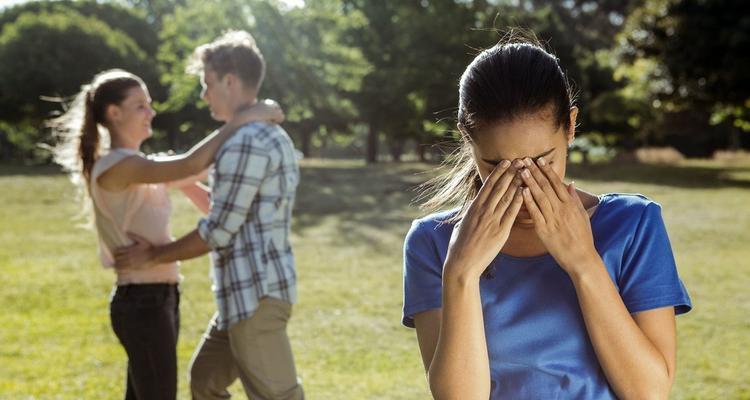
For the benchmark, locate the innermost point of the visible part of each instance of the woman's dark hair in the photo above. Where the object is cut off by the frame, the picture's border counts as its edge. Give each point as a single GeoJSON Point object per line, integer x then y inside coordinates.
{"type": "Point", "coordinates": [513, 79]}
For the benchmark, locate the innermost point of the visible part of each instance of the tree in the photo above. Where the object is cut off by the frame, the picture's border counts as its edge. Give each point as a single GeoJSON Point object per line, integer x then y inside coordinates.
{"type": "Point", "coordinates": [52, 54]}
{"type": "Point", "coordinates": [695, 54]}
{"type": "Point", "coordinates": [308, 70]}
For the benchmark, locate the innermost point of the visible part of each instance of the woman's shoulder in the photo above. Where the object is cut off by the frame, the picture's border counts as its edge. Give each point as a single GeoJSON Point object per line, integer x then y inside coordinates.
{"type": "Point", "coordinates": [112, 157]}
{"type": "Point", "coordinates": [627, 201]}
{"type": "Point", "coordinates": [432, 225]}
{"type": "Point", "coordinates": [626, 207]}
{"type": "Point", "coordinates": [436, 219]}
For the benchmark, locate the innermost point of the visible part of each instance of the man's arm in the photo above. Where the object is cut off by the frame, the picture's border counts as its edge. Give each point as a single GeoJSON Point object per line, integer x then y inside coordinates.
{"type": "Point", "coordinates": [239, 172]}
{"type": "Point", "coordinates": [142, 254]}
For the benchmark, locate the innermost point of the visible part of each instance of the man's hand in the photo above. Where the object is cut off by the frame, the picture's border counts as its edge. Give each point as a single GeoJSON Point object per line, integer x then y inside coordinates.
{"type": "Point", "coordinates": [138, 255]}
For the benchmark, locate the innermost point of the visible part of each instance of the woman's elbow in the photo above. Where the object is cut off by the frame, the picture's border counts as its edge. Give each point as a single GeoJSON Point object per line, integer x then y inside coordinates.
{"type": "Point", "coordinates": [657, 389]}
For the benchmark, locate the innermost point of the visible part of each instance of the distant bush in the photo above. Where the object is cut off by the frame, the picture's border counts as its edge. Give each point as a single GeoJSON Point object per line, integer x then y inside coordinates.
{"type": "Point", "coordinates": [732, 156]}
{"type": "Point", "coordinates": [658, 155]}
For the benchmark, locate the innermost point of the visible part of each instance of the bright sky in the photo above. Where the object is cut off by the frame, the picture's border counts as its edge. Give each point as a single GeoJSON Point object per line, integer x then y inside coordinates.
{"type": "Point", "coordinates": [8, 3]}
{"type": "Point", "coordinates": [289, 3]}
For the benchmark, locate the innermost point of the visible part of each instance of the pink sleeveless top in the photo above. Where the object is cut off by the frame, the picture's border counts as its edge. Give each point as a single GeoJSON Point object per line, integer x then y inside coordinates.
{"type": "Point", "coordinates": [143, 209]}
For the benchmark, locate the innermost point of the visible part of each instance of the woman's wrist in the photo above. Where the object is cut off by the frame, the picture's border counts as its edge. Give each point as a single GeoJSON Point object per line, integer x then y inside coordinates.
{"type": "Point", "coordinates": [584, 267]}
{"type": "Point", "coordinates": [459, 276]}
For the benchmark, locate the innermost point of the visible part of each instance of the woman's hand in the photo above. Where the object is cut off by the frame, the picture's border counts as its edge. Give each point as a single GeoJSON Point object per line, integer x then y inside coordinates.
{"type": "Point", "coordinates": [135, 256]}
{"type": "Point", "coordinates": [264, 110]}
{"type": "Point", "coordinates": [560, 220]}
{"type": "Point", "coordinates": [485, 228]}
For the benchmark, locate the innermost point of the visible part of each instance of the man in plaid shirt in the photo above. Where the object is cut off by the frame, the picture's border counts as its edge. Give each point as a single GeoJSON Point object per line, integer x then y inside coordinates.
{"type": "Point", "coordinates": [254, 179]}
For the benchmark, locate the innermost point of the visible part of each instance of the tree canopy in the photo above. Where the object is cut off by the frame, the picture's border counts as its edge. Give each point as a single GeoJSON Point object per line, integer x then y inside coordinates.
{"type": "Point", "coordinates": [382, 76]}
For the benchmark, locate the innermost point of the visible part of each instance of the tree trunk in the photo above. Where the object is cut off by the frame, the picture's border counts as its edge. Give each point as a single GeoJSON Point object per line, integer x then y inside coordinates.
{"type": "Point", "coordinates": [735, 139]}
{"type": "Point", "coordinates": [307, 142]}
{"type": "Point", "coordinates": [397, 149]}
{"type": "Point", "coordinates": [422, 152]}
{"type": "Point", "coordinates": [372, 143]}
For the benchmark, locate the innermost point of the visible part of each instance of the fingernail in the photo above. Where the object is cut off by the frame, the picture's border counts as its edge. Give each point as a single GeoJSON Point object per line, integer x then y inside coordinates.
{"type": "Point", "coordinates": [518, 164]}
{"type": "Point", "coordinates": [504, 164]}
{"type": "Point", "coordinates": [541, 161]}
{"type": "Point", "coordinates": [527, 161]}
{"type": "Point", "coordinates": [526, 173]}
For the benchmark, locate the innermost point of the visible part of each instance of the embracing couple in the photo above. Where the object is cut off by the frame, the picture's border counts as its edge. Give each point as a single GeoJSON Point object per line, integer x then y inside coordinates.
{"type": "Point", "coordinates": [246, 226]}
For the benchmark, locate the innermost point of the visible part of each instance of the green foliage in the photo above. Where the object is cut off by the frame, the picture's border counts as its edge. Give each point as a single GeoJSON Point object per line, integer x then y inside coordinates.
{"type": "Point", "coordinates": [130, 21]}
{"type": "Point", "coordinates": [308, 71]}
{"type": "Point", "coordinates": [387, 72]}
{"type": "Point", "coordinates": [52, 54]}
{"type": "Point", "coordinates": [690, 57]}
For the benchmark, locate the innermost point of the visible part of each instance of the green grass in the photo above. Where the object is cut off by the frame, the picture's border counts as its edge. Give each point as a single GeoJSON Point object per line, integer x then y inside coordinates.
{"type": "Point", "coordinates": [56, 341]}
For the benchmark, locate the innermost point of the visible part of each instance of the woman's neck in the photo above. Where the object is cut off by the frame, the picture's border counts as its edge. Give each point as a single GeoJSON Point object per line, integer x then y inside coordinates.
{"type": "Point", "coordinates": [123, 141]}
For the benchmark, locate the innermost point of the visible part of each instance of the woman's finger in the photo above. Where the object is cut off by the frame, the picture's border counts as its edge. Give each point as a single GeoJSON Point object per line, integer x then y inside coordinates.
{"type": "Point", "coordinates": [554, 179]}
{"type": "Point", "coordinates": [497, 198]}
{"type": "Point", "coordinates": [543, 182]}
{"type": "Point", "coordinates": [510, 190]}
{"type": "Point", "coordinates": [531, 206]}
{"type": "Point", "coordinates": [540, 198]}
{"type": "Point", "coordinates": [489, 183]}
{"type": "Point", "coordinates": [513, 208]}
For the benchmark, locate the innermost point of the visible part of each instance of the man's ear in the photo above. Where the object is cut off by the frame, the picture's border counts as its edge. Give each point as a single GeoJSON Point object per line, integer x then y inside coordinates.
{"type": "Point", "coordinates": [571, 134]}
{"type": "Point", "coordinates": [230, 80]}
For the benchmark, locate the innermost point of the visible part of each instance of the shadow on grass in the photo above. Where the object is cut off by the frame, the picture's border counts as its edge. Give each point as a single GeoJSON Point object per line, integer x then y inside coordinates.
{"type": "Point", "coordinates": [29, 170]}
{"type": "Point", "coordinates": [683, 176]}
{"type": "Point", "coordinates": [360, 198]}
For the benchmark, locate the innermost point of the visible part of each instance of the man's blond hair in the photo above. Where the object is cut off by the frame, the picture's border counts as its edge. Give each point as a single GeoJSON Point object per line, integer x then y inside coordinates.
{"type": "Point", "coordinates": [234, 52]}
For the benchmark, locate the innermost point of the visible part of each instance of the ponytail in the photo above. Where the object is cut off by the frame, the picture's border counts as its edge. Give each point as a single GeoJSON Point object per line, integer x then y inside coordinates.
{"type": "Point", "coordinates": [88, 147]}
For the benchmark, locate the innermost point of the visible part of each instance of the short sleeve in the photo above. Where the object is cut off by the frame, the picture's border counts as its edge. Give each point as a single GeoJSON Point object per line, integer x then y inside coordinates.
{"type": "Point", "coordinates": [649, 278]}
{"type": "Point", "coordinates": [423, 283]}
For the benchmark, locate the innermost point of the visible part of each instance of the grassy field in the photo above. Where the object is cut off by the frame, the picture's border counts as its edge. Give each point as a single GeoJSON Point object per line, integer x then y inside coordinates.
{"type": "Point", "coordinates": [56, 341]}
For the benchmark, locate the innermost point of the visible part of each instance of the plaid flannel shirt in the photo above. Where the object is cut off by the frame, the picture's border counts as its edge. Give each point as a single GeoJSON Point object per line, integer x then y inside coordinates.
{"type": "Point", "coordinates": [254, 180]}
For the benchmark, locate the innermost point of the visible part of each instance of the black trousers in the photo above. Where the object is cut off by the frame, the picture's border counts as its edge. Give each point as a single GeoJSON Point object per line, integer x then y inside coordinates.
{"type": "Point", "coordinates": [146, 320]}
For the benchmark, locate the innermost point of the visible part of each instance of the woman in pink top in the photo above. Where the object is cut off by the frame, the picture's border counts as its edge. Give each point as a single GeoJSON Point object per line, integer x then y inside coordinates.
{"type": "Point", "coordinates": [128, 192]}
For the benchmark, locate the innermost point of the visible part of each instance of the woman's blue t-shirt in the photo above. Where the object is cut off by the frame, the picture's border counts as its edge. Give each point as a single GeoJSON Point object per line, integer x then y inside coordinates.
{"type": "Point", "coordinates": [536, 337]}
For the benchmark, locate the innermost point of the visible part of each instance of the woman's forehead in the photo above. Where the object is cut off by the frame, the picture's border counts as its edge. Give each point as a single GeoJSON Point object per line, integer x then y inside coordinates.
{"type": "Point", "coordinates": [138, 93]}
{"type": "Point", "coordinates": [519, 139]}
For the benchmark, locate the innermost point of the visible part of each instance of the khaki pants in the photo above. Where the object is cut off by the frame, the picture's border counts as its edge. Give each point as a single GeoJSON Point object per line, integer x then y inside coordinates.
{"type": "Point", "coordinates": [256, 350]}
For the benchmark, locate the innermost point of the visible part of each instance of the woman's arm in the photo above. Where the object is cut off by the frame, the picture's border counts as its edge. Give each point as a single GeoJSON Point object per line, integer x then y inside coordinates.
{"type": "Point", "coordinates": [199, 195]}
{"type": "Point", "coordinates": [190, 180]}
{"type": "Point", "coordinates": [637, 353]}
{"type": "Point", "coordinates": [452, 340]}
{"type": "Point", "coordinates": [136, 169]}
